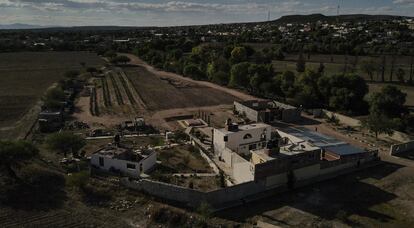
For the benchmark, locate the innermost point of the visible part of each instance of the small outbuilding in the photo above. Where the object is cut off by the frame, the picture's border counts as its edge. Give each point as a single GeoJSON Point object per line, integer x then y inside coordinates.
{"type": "Point", "coordinates": [267, 111]}
{"type": "Point", "coordinates": [124, 161]}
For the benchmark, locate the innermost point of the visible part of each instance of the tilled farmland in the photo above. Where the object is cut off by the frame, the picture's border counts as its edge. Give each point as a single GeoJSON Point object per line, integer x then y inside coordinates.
{"type": "Point", "coordinates": [134, 90]}
{"type": "Point", "coordinates": [25, 76]}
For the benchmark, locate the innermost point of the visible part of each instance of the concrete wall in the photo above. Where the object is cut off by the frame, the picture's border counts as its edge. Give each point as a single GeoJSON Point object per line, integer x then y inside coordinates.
{"type": "Point", "coordinates": [186, 196]}
{"type": "Point", "coordinates": [276, 180]}
{"type": "Point", "coordinates": [243, 170]}
{"type": "Point", "coordinates": [401, 148]}
{"type": "Point", "coordinates": [234, 195]}
{"type": "Point", "coordinates": [251, 114]}
{"type": "Point", "coordinates": [226, 155]}
{"type": "Point", "coordinates": [218, 142]}
{"type": "Point", "coordinates": [193, 198]}
{"type": "Point", "coordinates": [307, 172]}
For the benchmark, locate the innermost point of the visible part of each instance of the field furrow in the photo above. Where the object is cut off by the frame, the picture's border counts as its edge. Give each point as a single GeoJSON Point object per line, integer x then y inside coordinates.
{"type": "Point", "coordinates": [134, 91]}
{"type": "Point", "coordinates": [122, 89]}
{"type": "Point", "coordinates": [106, 94]}
{"type": "Point", "coordinates": [127, 90]}
{"type": "Point", "coordinates": [116, 89]}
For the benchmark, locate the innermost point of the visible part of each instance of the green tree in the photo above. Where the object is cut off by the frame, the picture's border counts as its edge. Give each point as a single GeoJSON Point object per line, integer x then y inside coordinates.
{"type": "Point", "coordinates": [378, 124]}
{"type": "Point", "coordinates": [278, 54]}
{"type": "Point", "coordinates": [368, 67]}
{"type": "Point", "coordinates": [239, 75]}
{"type": "Point", "coordinates": [53, 98]}
{"type": "Point", "coordinates": [13, 153]}
{"type": "Point", "coordinates": [192, 71]}
{"type": "Point", "coordinates": [238, 55]}
{"type": "Point", "coordinates": [288, 83]}
{"type": "Point", "coordinates": [344, 92]}
{"type": "Point", "coordinates": [389, 102]}
{"type": "Point", "coordinates": [321, 68]}
{"type": "Point", "coordinates": [66, 142]}
{"type": "Point", "coordinates": [401, 75]}
{"type": "Point", "coordinates": [301, 64]}
{"type": "Point", "coordinates": [307, 94]}
{"type": "Point", "coordinates": [220, 77]}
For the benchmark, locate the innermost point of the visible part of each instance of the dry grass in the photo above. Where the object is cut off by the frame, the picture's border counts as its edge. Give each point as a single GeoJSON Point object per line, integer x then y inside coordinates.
{"type": "Point", "coordinates": [183, 159]}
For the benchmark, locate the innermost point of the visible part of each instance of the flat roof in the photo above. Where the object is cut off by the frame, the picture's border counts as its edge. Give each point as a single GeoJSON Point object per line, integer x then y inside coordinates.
{"type": "Point", "coordinates": [283, 105]}
{"type": "Point", "coordinates": [245, 127]}
{"type": "Point", "coordinates": [120, 153]}
{"type": "Point", "coordinates": [286, 151]}
{"type": "Point", "coordinates": [316, 138]}
{"type": "Point", "coordinates": [344, 150]}
{"type": "Point", "coordinates": [323, 141]}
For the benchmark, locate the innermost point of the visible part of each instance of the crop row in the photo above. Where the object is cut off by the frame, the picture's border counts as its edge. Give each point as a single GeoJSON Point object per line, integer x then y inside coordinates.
{"type": "Point", "coordinates": [106, 94]}
{"type": "Point", "coordinates": [127, 89]}
{"type": "Point", "coordinates": [94, 109]}
{"type": "Point", "coordinates": [117, 90]}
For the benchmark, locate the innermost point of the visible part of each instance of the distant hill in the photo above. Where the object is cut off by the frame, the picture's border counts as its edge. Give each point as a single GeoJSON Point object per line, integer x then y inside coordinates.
{"type": "Point", "coordinates": [346, 18]}
{"type": "Point", "coordinates": [19, 26]}
{"type": "Point", "coordinates": [282, 20]}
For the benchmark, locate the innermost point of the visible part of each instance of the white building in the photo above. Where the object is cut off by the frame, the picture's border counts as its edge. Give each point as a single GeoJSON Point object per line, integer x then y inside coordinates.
{"type": "Point", "coordinates": [240, 139]}
{"type": "Point", "coordinates": [124, 161]}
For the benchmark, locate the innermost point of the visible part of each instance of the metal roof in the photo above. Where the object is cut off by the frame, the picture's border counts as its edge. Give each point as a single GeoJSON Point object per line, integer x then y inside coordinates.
{"type": "Point", "coordinates": [323, 141]}
{"type": "Point", "coordinates": [345, 149]}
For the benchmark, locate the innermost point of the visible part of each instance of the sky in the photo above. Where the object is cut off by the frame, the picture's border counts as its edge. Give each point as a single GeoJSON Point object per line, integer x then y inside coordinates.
{"type": "Point", "coordinates": [184, 12]}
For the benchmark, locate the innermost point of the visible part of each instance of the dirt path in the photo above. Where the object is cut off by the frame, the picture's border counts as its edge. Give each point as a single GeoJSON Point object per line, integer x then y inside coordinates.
{"type": "Point", "coordinates": [138, 62]}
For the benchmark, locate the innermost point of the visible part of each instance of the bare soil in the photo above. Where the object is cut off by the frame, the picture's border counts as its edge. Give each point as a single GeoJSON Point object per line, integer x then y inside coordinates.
{"type": "Point", "coordinates": [158, 95]}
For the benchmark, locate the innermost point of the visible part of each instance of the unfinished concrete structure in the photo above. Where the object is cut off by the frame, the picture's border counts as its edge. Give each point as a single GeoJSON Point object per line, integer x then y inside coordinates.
{"type": "Point", "coordinates": [239, 139]}
{"type": "Point", "coordinates": [267, 111]}
{"type": "Point", "coordinates": [124, 161]}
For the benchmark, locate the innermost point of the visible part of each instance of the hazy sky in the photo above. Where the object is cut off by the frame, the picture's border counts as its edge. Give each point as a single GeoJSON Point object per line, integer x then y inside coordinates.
{"type": "Point", "coordinates": [184, 12]}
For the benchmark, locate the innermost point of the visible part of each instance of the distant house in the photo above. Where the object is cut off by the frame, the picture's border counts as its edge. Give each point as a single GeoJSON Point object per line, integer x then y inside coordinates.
{"type": "Point", "coordinates": [124, 161]}
{"type": "Point", "coordinates": [267, 111]}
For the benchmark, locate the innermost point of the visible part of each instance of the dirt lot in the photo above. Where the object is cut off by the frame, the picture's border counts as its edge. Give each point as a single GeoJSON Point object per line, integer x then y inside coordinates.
{"type": "Point", "coordinates": [182, 159]}
{"type": "Point", "coordinates": [141, 90]}
{"type": "Point", "coordinates": [381, 196]}
{"type": "Point", "coordinates": [163, 93]}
